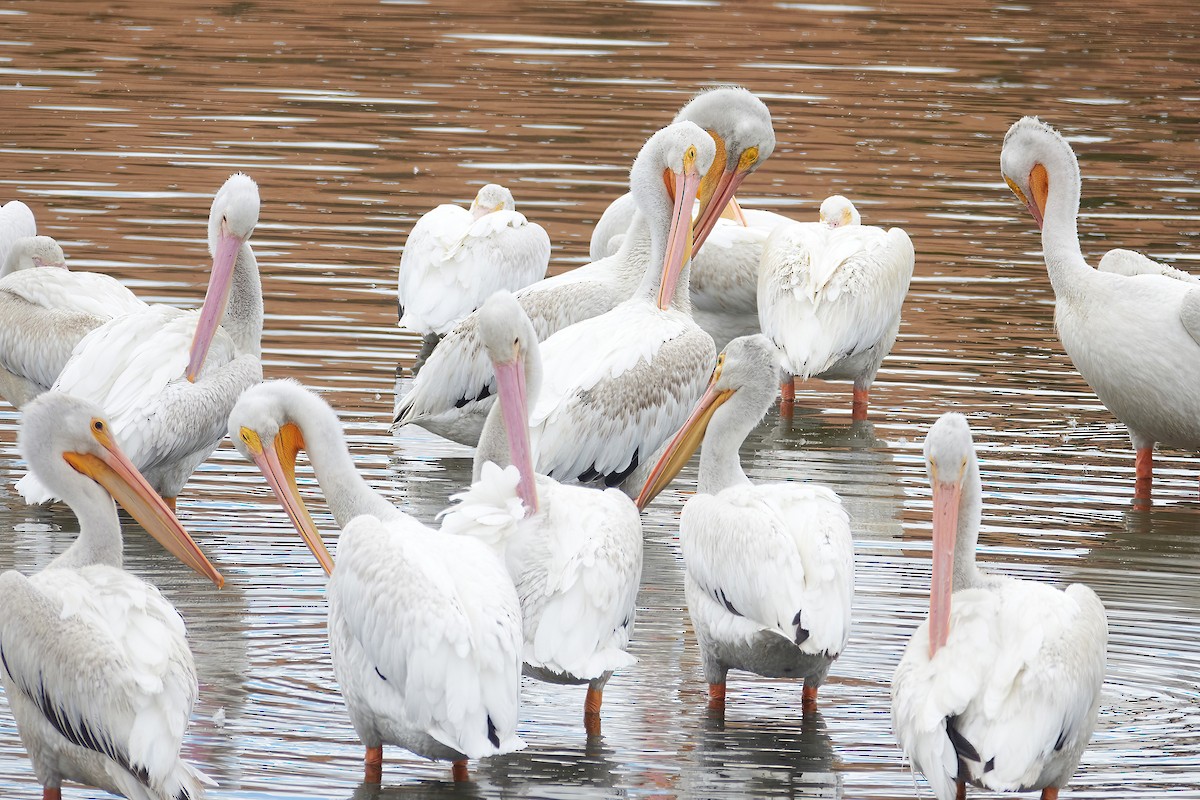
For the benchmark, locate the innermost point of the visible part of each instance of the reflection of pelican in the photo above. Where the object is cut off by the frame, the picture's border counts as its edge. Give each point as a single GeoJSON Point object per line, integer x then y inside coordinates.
{"type": "Point", "coordinates": [769, 568]}
{"type": "Point", "coordinates": [1000, 686]}
{"type": "Point", "coordinates": [574, 553]}
{"type": "Point", "coordinates": [724, 275]}
{"type": "Point", "coordinates": [1135, 340]}
{"type": "Point", "coordinates": [829, 295]}
{"type": "Point", "coordinates": [46, 311]}
{"type": "Point", "coordinates": [454, 390]}
{"type": "Point", "coordinates": [96, 665]}
{"type": "Point", "coordinates": [455, 259]}
{"type": "Point", "coordinates": [16, 222]}
{"type": "Point", "coordinates": [169, 404]}
{"type": "Point", "coordinates": [424, 627]}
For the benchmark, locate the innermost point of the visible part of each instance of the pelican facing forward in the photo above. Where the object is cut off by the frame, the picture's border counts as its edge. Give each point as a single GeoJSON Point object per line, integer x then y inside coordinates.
{"type": "Point", "coordinates": [574, 552]}
{"type": "Point", "coordinates": [424, 626]}
{"type": "Point", "coordinates": [768, 567]}
{"type": "Point", "coordinates": [1000, 686]}
{"type": "Point", "coordinates": [1135, 339]}
{"type": "Point", "coordinates": [95, 662]}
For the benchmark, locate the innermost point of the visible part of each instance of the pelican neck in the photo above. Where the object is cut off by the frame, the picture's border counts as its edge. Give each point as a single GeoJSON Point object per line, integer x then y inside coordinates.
{"type": "Point", "coordinates": [966, 538]}
{"type": "Point", "coordinates": [243, 319]}
{"type": "Point", "coordinates": [99, 540]}
{"type": "Point", "coordinates": [720, 459]}
{"type": "Point", "coordinates": [1060, 234]}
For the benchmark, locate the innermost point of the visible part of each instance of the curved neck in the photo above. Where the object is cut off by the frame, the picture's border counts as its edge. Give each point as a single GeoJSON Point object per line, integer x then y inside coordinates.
{"type": "Point", "coordinates": [658, 226]}
{"type": "Point", "coordinates": [720, 461]}
{"type": "Point", "coordinates": [966, 538]}
{"type": "Point", "coordinates": [1060, 234]}
{"type": "Point", "coordinates": [243, 319]}
{"type": "Point", "coordinates": [99, 540]}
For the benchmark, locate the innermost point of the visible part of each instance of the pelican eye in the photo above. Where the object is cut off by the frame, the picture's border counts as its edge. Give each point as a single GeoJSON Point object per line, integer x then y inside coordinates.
{"type": "Point", "coordinates": [690, 155]}
{"type": "Point", "coordinates": [98, 425]}
{"type": "Point", "coordinates": [748, 158]}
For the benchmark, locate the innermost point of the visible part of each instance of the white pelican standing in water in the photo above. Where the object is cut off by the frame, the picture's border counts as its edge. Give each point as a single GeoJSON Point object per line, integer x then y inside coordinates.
{"type": "Point", "coordinates": [95, 662]}
{"type": "Point", "coordinates": [167, 393]}
{"type": "Point", "coordinates": [1000, 686]}
{"type": "Point", "coordinates": [455, 389]}
{"type": "Point", "coordinates": [46, 311]}
{"type": "Point", "coordinates": [16, 222]}
{"type": "Point", "coordinates": [574, 553]}
{"type": "Point", "coordinates": [424, 626]}
{"type": "Point", "coordinates": [768, 567]}
{"type": "Point", "coordinates": [829, 296]}
{"type": "Point", "coordinates": [724, 275]}
{"type": "Point", "coordinates": [454, 259]}
{"type": "Point", "coordinates": [1134, 339]}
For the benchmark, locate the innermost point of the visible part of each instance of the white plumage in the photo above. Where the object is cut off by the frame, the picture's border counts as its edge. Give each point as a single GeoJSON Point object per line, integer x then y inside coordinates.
{"type": "Point", "coordinates": [830, 297]}
{"type": "Point", "coordinates": [454, 259]}
{"type": "Point", "coordinates": [1001, 685]}
{"type": "Point", "coordinates": [16, 222]}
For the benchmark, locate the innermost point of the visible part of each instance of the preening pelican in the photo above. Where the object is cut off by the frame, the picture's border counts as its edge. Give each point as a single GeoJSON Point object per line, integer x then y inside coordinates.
{"type": "Point", "coordinates": [574, 553]}
{"type": "Point", "coordinates": [168, 378]}
{"type": "Point", "coordinates": [768, 567]}
{"type": "Point", "coordinates": [95, 662]}
{"type": "Point", "coordinates": [454, 259]}
{"type": "Point", "coordinates": [1000, 686]}
{"type": "Point", "coordinates": [1134, 339]}
{"type": "Point", "coordinates": [16, 222]}
{"type": "Point", "coordinates": [724, 275]}
{"type": "Point", "coordinates": [46, 311]}
{"type": "Point", "coordinates": [455, 389]}
{"type": "Point", "coordinates": [829, 296]}
{"type": "Point", "coordinates": [424, 626]}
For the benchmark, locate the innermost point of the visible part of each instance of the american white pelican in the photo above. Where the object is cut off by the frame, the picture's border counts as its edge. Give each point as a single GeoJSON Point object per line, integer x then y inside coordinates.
{"type": "Point", "coordinates": [829, 296]}
{"type": "Point", "coordinates": [424, 626]}
{"type": "Point", "coordinates": [96, 665]}
{"type": "Point", "coordinates": [1135, 340]}
{"type": "Point", "coordinates": [455, 389]}
{"type": "Point", "coordinates": [1131, 262]}
{"type": "Point", "coordinates": [1000, 686]}
{"type": "Point", "coordinates": [454, 259]}
{"type": "Point", "coordinates": [724, 275]}
{"type": "Point", "coordinates": [46, 311]}
{"type": "Point", "coordinates": [167, 393]}
{"type": "Point", "coordinates": [16, 222]}
{"type": "Point", "coordinates": [574, 553]}
{"type": "Point", "coordinates": [768, 567]}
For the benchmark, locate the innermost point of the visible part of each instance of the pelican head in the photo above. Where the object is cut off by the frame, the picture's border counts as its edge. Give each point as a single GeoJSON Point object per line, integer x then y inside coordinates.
{"type": "Point", "coordinates": [948, 453]}
{"type": "Point", "coordinates": [740, 125]}
{"type": "Point", "coordinates": [749, 368]}
{"type": "Point", "coordinates": [511, 343]}
{"type": "Point", "coordinates": [837, 211]}
{"type": "Point", "coordinates": [675, 157]}
{"type": "Point", "coordinates": [230, 222]}
{"type": "Point", "coordinates": [492, 197]}
{"type": "Point", "coordinates": [33, 251]}
{"type": "Point", "coordinates": [263, 428]}
{"type": "Point", "coordinates": [1033, 151]}
{"type": "Point", "coordinates": [69, 445]}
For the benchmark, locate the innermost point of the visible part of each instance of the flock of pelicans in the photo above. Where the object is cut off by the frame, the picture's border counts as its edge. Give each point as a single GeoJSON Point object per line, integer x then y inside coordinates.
{"type": "Point", "coordinates": [582, 392]}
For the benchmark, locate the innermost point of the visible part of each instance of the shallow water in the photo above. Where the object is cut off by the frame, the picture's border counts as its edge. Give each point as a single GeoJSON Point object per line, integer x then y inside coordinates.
{"type": "Point", "coordinates": [355, 118]}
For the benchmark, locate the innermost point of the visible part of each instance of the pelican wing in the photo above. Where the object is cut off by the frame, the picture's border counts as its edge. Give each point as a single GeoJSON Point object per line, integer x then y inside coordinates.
{"type": "Point", "coordinates": [613, 223]}
{"type": "Point", "coordinates": [779, 555]}
{"type": "Point", "coordinates": [616, 387]}
{"type": "Point", "coordinates": [1130, 263]}
{"type": "Point", "coordinates": [1014, 691]}
{"type": "Point", "coordinates": [425, 629]}
{"type": "Point", "coordinates": [724, 275]}
{"type": "Point", "coordinates": [103, 659]}
{"type": "Point", "coordinates": [824, 295]}
{"type": "Point", "coordinates": [16, 222]}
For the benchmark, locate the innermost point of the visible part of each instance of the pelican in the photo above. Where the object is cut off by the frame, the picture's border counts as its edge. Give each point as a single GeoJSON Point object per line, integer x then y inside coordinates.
{"type": "Point", "coordinates": [1000, 686]}
{"type": "Point", "coordinates": [829, 296]}
{"type": "Point", "coordinates": [455, 389]}
{"type": "Point", "coordinates": [167, 377]}
{"type": "Point", "coordinates": [455, 259]}
{"type": "Point", "coordinates": [574, 553]}
{"type": "Point", "coordinates": [1134, 339]}
{"type": "Point", "coordinates": [424, 626]}
{"type": "Point", "coordinates": [47, 310]}
{"type": "Point", "coordinates": [724, 275]}
{"type": "Point", "coordinates": [768, 567]}
{"type": "Point", "coordinates": [1131, 262]}
{"type": "Point", "coordinates": [95, 662]}
{"type": "Point", "coordinates": [16, 222]}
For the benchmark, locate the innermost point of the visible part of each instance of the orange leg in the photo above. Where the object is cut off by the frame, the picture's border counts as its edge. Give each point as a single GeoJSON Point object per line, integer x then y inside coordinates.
{"type": "Point", "coordinates": [1144, 472]}
{"type": "Point", "coordinates": [808, 700]}
{"type": "Point", "coordinates": [716, 696]}
{"type": "Point", "coordinates": [591, 711]}
{"type": "Point", "coordinates": [49, 793]}
{"type": "Point", "coordinates": [961, 794]}
{"type": "Point", "coordinates": [1050, 793]}
{"type": "Point", "coordinates": [787, 394]}
{"type": "Point", "coordinates": [459, 771]}
{"type": "Point", "coordinates": [373, 769]}
{"type": "Point", "coordinates": [170, 501]}
{"type": "Point", "coordinates": [858, 409]}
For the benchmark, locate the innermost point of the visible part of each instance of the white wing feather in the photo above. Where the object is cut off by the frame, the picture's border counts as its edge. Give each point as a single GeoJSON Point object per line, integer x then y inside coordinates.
{"type": "Point", "coordinates": [1130, 263]}
{"type": "Point", "coordinates": [16, 222]}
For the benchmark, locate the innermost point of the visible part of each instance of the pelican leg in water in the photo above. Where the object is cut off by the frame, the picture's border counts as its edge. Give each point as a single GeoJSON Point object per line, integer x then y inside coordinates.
{"type": "Point", "coordinates": [829, 296]}
{"type": "Point", "coordinates": [768, 567]}
{"type": "Point", "coordinates": [1001, 685]}
{"type": "Point", "coordinates": [574, 552]}
{"type": "Point", "coordinates": [424, 626]}
{"type": "Point", "coordinates": [94, 661]}
{"type": "Point", "coordinates": [1134, 338]}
